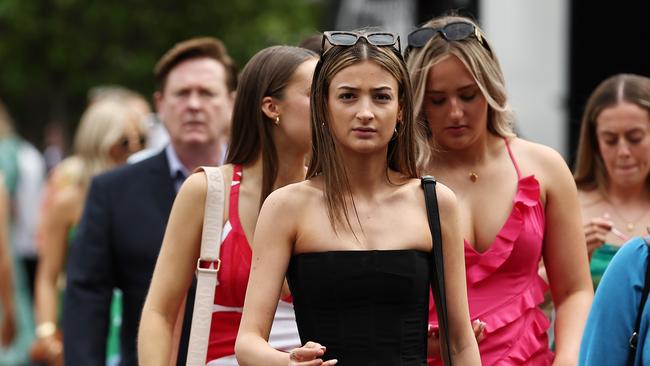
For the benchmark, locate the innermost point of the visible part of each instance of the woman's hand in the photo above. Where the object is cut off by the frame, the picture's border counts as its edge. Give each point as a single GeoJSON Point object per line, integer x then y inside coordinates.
{"type": "Point", "coordinates": [309, 355]}
{"type": "Point", "coordinates": [47, 350]}
{"type": "Point", "coordinates": [433, 343]}
{"type": "Point", "coordinates": [596, 230]}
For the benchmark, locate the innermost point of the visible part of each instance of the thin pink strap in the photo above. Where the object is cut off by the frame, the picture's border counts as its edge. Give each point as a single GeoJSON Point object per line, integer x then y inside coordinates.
{"type": "Point", "coordinates": [512, 157]}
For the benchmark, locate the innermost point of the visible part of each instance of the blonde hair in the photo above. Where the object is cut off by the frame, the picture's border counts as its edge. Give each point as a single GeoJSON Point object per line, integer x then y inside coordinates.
{"type": "Point", "coordinates": [326, 158]}
{"type": "Point", "coordinates": [102, 125]}
{"type": "Point", "coordinates": [479, 60]}
{"type": "Point", "coordinates": [590, 171]}
{"type": "Point", "coordinates": [117, 93]}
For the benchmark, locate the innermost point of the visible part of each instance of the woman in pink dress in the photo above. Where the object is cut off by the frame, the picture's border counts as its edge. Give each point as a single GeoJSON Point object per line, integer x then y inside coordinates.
{"type": "Point", "coordinates": [518, 202]}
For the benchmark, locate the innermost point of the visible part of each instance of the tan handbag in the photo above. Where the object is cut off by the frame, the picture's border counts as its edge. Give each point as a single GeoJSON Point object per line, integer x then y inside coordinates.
{"type": "Point", "coordinates": [206, 278]}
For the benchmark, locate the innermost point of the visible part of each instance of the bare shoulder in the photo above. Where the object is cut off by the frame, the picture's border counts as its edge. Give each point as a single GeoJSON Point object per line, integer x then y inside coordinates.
{"type": "Point", "coordinates": [67, 172]}
{"type": "Point", "coordinates": [293, 196]}
{"type": "Point", "coordinates": [542, 161]}
{"type": "Point", "coordinates": [226, 171]}
{"type": "Point", "coordinates": [196, 185]}
{"type": "Point", "coordinates": [446, 198]}
{"type": "Point", "coordinates": [537, 154]}
{"type": "Point", "coordinates": [405, 184]}
{"type": "Point", "coordinates": [550, 169]}
{"type": "Point", "coordinates": [67, 199]}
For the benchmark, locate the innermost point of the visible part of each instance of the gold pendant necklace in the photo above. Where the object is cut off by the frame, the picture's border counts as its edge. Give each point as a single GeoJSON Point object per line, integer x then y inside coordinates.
{"type": "Point", "coordinates": [473, 177]}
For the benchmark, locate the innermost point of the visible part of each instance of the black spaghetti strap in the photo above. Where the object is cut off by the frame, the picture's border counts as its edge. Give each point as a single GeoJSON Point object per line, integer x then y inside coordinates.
{"type": "Point", "coordinates": [634, 338]}
{"type": "Point", "coordinates": [437, 265]}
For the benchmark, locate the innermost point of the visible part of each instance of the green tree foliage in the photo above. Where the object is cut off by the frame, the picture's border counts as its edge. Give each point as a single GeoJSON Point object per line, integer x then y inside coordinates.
{"type": "Point", "coordinates": [53, 51]}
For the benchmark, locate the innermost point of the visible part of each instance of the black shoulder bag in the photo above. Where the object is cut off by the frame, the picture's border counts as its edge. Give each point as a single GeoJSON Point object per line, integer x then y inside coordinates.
{"type": "Point", "coordinates": [634, 338]}
{"type": "Point", "coordinates": [437, 265]}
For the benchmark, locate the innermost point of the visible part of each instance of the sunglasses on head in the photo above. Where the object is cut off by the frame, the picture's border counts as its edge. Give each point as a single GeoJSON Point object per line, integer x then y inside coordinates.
{"type": "Point", "coordinates": [343, 38]}
{"type": "Point", "coordinates": [456, 31]}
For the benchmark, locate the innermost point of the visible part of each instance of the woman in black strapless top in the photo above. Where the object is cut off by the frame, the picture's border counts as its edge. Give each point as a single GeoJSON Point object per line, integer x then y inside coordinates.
{"type": "Point", "coordinates": [353, 239]}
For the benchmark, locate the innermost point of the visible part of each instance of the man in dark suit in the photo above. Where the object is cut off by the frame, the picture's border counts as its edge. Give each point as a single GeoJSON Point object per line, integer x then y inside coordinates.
{"type": "Point", "coordinates": [123, 223]}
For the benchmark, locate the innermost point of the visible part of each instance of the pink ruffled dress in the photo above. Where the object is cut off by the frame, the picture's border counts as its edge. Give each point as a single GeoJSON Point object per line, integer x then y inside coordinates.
{"type": "Point", "coordinates": [504, 289]}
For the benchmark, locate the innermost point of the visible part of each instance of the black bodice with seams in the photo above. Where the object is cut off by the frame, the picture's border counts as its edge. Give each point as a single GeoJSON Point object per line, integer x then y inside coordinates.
{"type": "Point", "coordinates": [368, 308]}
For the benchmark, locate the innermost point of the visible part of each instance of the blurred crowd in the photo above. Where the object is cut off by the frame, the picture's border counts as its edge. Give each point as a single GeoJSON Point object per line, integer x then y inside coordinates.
{"type": "Point", "coordinates": [42, 206]}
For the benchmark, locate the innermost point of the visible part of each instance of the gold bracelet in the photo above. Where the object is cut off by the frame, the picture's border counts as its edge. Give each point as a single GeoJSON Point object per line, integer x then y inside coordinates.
{"type": "Point", "coordinates": [45, 330]}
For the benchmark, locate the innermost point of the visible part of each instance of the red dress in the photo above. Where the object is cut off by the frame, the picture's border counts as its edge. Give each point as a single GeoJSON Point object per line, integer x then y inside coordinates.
{"type": "Point", "coordinates": [503, 287]}
{"type": "Point", "coordinates": [236, 256]}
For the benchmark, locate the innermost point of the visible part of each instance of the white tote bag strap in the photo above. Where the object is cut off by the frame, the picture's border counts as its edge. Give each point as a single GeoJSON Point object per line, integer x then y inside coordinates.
{"type": "Point", "coordinates": [206, 278]}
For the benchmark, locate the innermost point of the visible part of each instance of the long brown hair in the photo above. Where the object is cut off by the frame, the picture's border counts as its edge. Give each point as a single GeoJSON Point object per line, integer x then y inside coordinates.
{"type": "Point", "coordinates": [265, 75]}
{"type": "Point", "coordinates": [590, 171]}
{"type": "Point", "coordinates": [326, 158]}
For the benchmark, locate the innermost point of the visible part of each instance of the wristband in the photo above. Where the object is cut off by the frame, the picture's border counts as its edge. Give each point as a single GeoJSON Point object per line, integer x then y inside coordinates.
{"type": "Point", "coordinates": [45, 330]}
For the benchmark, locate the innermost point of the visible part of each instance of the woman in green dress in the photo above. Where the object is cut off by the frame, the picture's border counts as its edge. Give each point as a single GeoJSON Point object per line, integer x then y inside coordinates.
{"type": "Point", "coordinates": [108, 133]}
{"type": "Point", "coordinates": [7, 296]}
{"type": "Point", "coordinates": [16, 323]}
{"type": "Point", "coordinates": [613, 166]}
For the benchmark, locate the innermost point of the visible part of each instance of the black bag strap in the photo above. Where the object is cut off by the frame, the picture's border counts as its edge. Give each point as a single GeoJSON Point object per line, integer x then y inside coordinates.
{"type": "Point", "coordinates": [634, 338]}
{"type": "Point", "coordinates": [437, 265]}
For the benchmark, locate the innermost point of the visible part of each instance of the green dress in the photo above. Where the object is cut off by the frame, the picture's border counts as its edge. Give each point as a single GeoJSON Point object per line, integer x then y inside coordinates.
{"type": "Point", "coordinates": [17, 352]}
{"type": "Point", "coordinates": [113, 342]}
{"type": "Point", "coordinates": [9, 146]}
{"type": "Point", "coordinates": [600, 260]}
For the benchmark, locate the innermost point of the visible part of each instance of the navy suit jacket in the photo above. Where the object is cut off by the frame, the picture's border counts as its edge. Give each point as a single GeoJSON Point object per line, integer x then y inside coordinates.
{"type": "Point", "coordinates": [116, 245]}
